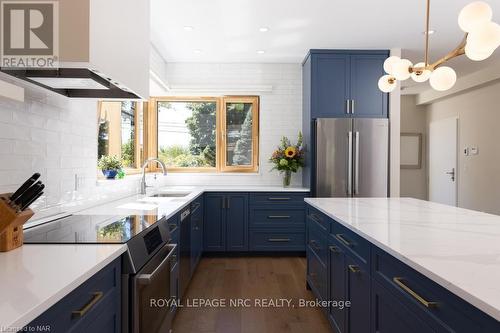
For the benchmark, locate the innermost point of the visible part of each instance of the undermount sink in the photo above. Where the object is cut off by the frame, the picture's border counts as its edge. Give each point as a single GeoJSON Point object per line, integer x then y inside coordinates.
{"type": "Point", "coordinates": [170, 195]}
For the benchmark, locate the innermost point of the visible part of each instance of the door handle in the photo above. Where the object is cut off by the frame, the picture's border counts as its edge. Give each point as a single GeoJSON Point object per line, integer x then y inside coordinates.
{"type": "Point", "coordinates": [356, 165]}
{"type": "Point", "coordinates": [223, 202]}
{"type": "Point", "coordinates": [349, 163]}
{"type": "Point", "coordinates": [452, 174]}
{"type": "Point", "coordinates": [228, 204]}
{"type": "Point", "coordinates": [347, 106]}
{"type": "Point", "coordinates": [352, 106]}
{"type": "Point", "coordinates": [400, 282]}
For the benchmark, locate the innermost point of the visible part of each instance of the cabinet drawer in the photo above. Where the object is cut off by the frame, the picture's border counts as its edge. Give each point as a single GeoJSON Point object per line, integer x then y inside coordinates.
{"type": "Point", "coordinates": [316, 275]}
{"type": "Point", "coordinates": [317, 240]}
{"type": "Point", "coordinates": [321, 219]}
{"type": "Point", "coordinates": [277, 199]}
{"type": "Point", "coordinates": [277, 241]}
{"type": "Point", "coordinates": [390, 316]}
{"type": "Point", "coordinates": [98, 298]}
{"type": "Point", "coordinates": [274, 218]}
{"type": "Point", "coordinates": [433, 303]}
{"type": "Point", "coordinates": [353, 243]}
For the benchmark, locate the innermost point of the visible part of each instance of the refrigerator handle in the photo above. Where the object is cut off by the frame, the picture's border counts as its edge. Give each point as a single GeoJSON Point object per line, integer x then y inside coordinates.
{"type": "Point", "coordinates": [349, 163]}
{"type": "Point", "coordinates": [356, 164]}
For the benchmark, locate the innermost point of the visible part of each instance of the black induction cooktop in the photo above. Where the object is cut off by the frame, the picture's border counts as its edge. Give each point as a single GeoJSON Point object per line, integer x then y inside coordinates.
{"type": "Point", "coordinates": [90, 229]}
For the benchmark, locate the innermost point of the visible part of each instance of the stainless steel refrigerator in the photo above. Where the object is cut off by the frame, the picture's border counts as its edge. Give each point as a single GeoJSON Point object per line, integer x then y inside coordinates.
{"type": "Point", "coordinates": [351, 157]}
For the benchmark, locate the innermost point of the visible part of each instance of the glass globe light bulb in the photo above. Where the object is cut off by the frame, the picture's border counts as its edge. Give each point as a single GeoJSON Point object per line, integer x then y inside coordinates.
{"type": "Point", "coordinates": [389, 64]}
{"type": "Point", "coordinates": [387, 83]}
{"type": "Point", "coordinates": [477, 55]}
{"type": "Point", "coordinates": [401, 69]}
{"type": "Point", "coordinates": [423, 76]}
{"type": "Point", "coordinates": [484, 39]}
{"type": "Point", "coordinates": [473, 15]}
{"type": "Point", "coordinates": [443, 78]}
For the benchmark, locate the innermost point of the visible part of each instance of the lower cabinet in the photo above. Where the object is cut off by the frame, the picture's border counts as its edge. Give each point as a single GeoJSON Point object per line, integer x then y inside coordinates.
{"type": "Point", "coordinates": [196, 232]}
{"type": "Point", "coordinates": [95, 306]}
{"type": "Point", "coordinates": [226, 222]}
{"type": "Point", "coordinates": [385, 295]}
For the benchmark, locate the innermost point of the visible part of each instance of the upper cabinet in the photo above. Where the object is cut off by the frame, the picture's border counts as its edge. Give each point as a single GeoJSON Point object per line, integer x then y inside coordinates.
{"type": "Point", "coordinates": [344, 84]}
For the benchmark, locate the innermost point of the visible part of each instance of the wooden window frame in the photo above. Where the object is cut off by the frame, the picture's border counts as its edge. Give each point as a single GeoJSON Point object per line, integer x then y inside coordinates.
{"type": "Point", "coordinates": [254, 166]}
{"type": "Point", "coordinates": [139, 106]}
{"type": "Point", "coordinates": [151, 133]}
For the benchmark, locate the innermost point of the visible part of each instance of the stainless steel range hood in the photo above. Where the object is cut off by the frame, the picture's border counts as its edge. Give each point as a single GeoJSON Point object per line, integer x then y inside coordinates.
{"type": "Point", "coordinates": [73, 82]}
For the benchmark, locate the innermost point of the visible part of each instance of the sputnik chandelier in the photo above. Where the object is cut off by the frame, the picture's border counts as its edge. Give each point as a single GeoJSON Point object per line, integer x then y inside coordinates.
{"type": "Point", "coordinates": [482, 38]}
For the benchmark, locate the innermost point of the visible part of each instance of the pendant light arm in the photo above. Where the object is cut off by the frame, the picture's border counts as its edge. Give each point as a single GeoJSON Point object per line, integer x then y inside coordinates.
{"type": "Point", "coordinates": [427, 29]}
{"type": "Point", "coordinates": [458, 51]}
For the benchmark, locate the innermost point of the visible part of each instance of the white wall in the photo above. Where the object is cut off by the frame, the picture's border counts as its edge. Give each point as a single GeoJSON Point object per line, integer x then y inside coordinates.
{"type": "Point", "coordinates": [478, 111]}
{"type": "Point", "coordinates": [280, 109]}
{"type": "Point", "coordinates": [414, 120]}
{"type": "Point", "coordinates": [57, 137]}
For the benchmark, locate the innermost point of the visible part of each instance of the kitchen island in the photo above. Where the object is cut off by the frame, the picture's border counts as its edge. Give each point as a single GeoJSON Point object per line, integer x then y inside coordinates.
{"type": "Point", "coordinates": [421, 249]}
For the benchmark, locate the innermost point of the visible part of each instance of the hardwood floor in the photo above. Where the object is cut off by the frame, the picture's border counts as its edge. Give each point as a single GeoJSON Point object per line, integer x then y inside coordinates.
{"type": "Point", "coordinates": [255, 279]}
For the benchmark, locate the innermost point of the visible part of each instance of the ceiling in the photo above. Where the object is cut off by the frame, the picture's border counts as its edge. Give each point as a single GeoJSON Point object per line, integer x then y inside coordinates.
{"type": "Point", "coordinates": [228, 30]}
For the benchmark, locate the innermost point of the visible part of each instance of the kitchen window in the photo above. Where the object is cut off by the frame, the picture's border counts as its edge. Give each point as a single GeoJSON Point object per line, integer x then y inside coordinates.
{"type": "Point", "coordinates": [205, 134]}
{"type": "Point", "coordinates": [120, 132]}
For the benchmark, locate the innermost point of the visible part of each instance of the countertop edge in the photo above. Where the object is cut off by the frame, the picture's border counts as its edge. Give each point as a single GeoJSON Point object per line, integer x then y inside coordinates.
{"type": "Point", "coordinates": [459, 292]}
{"type": "Point", "coordinates": [28, 317]}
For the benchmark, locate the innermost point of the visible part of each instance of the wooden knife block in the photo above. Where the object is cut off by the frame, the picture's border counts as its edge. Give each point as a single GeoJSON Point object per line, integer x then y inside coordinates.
{"type": "Point", "coordinates": [11, 224]}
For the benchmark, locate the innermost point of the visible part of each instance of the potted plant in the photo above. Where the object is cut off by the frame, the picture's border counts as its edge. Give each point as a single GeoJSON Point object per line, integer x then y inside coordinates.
{"type": "Point", "coordinates": [288, 158]}
{"type": "Point", "coordinates": [110, 166]}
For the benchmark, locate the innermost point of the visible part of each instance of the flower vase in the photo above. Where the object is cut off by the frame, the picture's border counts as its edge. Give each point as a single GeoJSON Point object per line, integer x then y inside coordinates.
{"type": "Point", "coordinates": [287, 177]}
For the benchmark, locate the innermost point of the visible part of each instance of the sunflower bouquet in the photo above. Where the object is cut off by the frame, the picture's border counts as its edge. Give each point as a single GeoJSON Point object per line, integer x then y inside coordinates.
{"type": "Point", "coordinates": [288, 158]}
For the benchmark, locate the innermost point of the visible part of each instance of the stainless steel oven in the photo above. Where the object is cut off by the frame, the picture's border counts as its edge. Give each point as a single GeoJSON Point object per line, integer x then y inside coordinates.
{"type": "Point", "coordinates": [152, 294]}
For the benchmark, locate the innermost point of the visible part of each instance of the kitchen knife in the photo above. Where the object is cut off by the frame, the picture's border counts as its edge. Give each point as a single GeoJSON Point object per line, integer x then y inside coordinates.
{"type": "Point", "coordinates": [27, 204]}
{"type": "Point", "coordinates": [27, 184]}
{"type": "Point", "coordinates": [29, 193]}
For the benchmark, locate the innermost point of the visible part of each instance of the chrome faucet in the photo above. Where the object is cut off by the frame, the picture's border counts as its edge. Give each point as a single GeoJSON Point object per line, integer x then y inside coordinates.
{"type": "Point", "coordinates": [143, 180]}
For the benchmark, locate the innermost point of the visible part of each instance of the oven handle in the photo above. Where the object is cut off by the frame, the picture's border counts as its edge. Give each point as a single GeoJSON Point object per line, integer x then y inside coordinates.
{"type": "Point", "coordinates": [148, 278]}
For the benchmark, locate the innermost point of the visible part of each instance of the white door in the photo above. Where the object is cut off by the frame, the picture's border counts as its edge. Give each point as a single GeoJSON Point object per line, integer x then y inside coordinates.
{"type": "Point", "coordinates": [443, 161]}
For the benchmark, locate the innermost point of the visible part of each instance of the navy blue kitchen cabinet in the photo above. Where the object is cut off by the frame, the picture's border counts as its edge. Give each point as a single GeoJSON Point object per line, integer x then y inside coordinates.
{"type": "Point", "coordinates": [214, 231]}
{"type": "Point", "coordinates": [237, 222]}
{"type": "Point", "coordinates": [385, 295]}
{"type": "Point", "coordinates": [276, 222]}
{"type": "Point", "coordinates": [343, 83]}
{"type": "Point", "coordinates": [226, 222]}
{"type": "Point", "coordinates": [330, 85]}
{"type": "Point", "coordinates": [95, 306]}
{"type": "Point", "coordinates": [336, 285]}
{"type": "Point", "coordinates": [367, 101]}
{"type": "Point", "coordinates": [196, 232]}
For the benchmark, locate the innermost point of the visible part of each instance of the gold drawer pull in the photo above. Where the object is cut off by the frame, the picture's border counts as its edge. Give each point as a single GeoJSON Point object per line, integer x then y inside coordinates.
{"type": "Point", "coordinates": [341, 238]}
{"type": "Point", "coordinates": [96, 296]}
{"type": "Point", "coordinates": [420, 299]}
{"type": "Point", "coordinates": [279, 239]}
{"type": "Point", "coordinates": [276, 198]}
{"type": "Point", "coordinates": [335, 249]}
{"type": "Point", "coordinates": [278, 216]}
{"type": "Point", "coordinates": [354, 268]}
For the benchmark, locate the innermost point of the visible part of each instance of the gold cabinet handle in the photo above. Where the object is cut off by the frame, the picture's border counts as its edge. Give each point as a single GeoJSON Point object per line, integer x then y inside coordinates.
{"type": "Point", "coordinates": [96, 296]}
{"type": "Point", "coordinates": [400, 282]}
{"type": "Point", "coordinates": [335, 249]}
{"type": "Point", "coordinates": [276, 198]}
{"type": "Point", "coordinates": [279, 239]}
{"type": "Point", "coordinates": [278, 217]}
{"type": "Point", "coordinates": [341, 238]}
{"type": "Point", "coordinates": [354, 268]}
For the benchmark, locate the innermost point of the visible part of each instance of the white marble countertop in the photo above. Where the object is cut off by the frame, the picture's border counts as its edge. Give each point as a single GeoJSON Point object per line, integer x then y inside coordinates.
{"type": "Point", "coordinates": [35, 277]}
{"type": "Point", "coordinates": [457, 248]}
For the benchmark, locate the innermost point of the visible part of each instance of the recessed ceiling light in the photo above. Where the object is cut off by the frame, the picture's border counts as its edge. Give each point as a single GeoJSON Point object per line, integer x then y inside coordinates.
{"type": "Point", "coordinates": [197, 51]}
{"type": "Point", "coordinates": [431, 32]}
{"type": "Point", "coordinates": [261, 51]}
{"type": "Point", "coordinates": [263, 29]}
{"type": "Point", "coordinates": [188, 28]}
